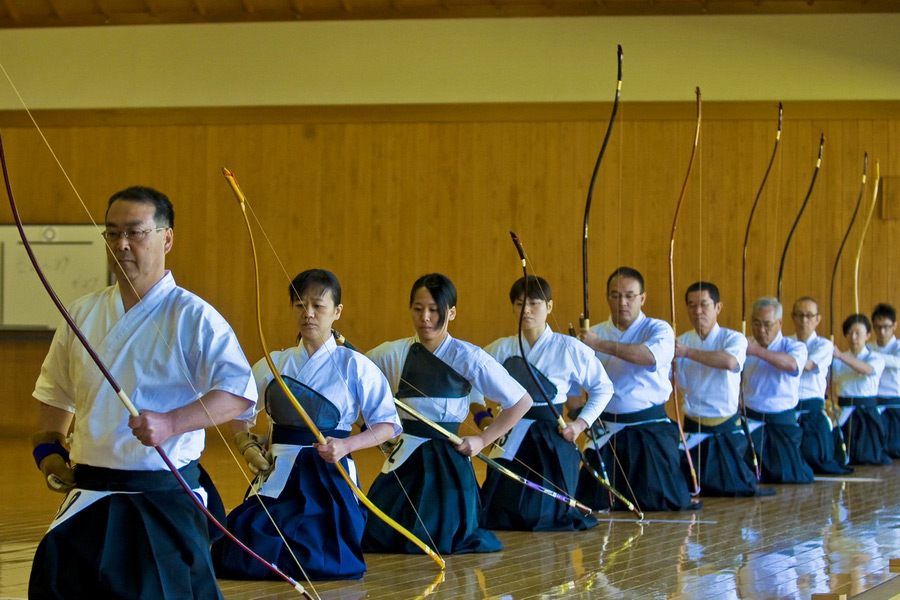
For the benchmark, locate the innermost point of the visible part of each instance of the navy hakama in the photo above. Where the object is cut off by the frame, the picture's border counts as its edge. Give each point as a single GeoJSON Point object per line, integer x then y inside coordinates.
{"type": "Point", "coordinates": [440, 484]}
{"type": "Point", "coordinates": [890, 419]}
{"type": "Point", "coordinates": [152, 544]}
{"type": "Point", "coordinates": [864, 431]}
{"type": "Point", "coordinates": [546, 458]}
{"type": "Point", "coordinates": [777, 442]}
{"type": "Point", "coordinates": [315, 509]}
{"type": "Point", "coordinates": [644, 464]}
{"type": "Point", "coordinates": [820, 446]}
{"type": "Point", "coordinates": [719, 459]}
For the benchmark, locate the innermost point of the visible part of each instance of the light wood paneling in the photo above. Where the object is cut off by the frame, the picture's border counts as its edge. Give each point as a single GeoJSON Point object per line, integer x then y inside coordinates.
{"type": "Point", "coordinates": [384, 200]}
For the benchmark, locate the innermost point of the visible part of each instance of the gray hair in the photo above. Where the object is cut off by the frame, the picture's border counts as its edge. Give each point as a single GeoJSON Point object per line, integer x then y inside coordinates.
{"type": "Point", "coordinates": [769, 301]}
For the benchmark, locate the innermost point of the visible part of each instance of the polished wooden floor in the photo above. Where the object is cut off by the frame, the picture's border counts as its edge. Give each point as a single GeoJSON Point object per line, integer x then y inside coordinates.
{"type": "Point", "coordinates": [835, 537]}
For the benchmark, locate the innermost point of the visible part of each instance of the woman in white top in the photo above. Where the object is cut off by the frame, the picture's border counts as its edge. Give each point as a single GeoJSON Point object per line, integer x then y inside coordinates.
{"type": "Point", "coordinates": [436, 374]}
{"type": "Point", "coordinates": [856, 375]}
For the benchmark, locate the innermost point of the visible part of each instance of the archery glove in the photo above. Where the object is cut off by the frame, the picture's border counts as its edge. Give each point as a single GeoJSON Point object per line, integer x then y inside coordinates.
{"type": "Point", "coordinates": [251, 446]}
{"type": "Point", "coordinates": [52, 459]}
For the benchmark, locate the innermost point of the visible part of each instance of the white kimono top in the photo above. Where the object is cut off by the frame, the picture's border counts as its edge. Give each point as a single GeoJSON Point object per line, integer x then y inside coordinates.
{"type": "Point", "coordinates": [346, 378]}
{"type": "Point", "coordinates": [487, 376]}
{"type": "Point", "coordinates": [706, 391]}
{"type": "Point", "coordinates": [568, 363]}
{"type": "Point", "coordinates": [851, 384]}
{"type": "Point", "coordinates": [820, 352]}
{"type": "Point", "coordinates": [768, 389]}
{"type": "Point", "coordinates": [638, 387]}
{"type": "Point", "coordinates": [166, 352]}
{"type": "Point", "coordinates": [890, 379]}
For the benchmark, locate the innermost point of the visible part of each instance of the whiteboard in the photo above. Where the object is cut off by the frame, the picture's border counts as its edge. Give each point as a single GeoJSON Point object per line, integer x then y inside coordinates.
{"type": "Point", "coordinates": [73, 257]}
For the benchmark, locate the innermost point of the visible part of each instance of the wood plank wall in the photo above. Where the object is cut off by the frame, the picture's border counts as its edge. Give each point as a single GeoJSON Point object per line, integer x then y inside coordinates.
{"type": "Point", "coordinates": [381, 195]}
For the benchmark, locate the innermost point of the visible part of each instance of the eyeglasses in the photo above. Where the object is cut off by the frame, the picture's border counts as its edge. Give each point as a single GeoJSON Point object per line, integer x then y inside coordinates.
{"type": "Point", "coordinates": [800, 315]}
{"type": "Point", "coordinates": [135, 235]}
{"type": "Point", "coordinates": [616, 296]}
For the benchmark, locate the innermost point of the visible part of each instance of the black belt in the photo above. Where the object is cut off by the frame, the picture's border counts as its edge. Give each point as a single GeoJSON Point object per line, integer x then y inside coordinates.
{"type": "Point", "coordinates": [648, 414]}
{"type": "Point", "coordinates": [420, 429]}
{"type": "Point", "coordinates": [102, 479]}
{"type": "Point", "coordinates": [785, 417]}
{"type": "Point", "coordinates": [540, 412]}
{"type": "Point", "coordinates": [301, 437]}
{"type": "Point", "coordinates": [871, 402]}
{"type": "Point", "coordinates": [811, 405]}
{"type": "Point", "coordinates": [890, 401]}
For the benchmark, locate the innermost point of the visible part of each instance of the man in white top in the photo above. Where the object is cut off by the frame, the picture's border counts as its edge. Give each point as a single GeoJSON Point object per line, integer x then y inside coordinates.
{"type": "Point", "coordinates": [639, 438]}
{"type": "Point", "coordinates": [709, 360]}
{"type": "Point", "coordinates": [771, 393]}
{"type": "Point", "coordinates": [129, 529]}
{"type": "Point", "coordinates": [822, 442]}
{"type": "Point", "coordinates": [884, 322]}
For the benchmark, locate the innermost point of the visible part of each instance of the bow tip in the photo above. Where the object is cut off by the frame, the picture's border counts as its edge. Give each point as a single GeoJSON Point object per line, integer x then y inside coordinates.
{"type": "Point", "coordinates": [226, 172]}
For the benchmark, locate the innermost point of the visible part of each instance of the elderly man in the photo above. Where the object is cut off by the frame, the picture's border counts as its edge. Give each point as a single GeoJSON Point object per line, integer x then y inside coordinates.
{"type": "Point", "coordinates": [771, 393]}
{"type": "Point", "coordinates": [129, 530]}
{"type": "Point", "coordinates": [639, 440]}
{"type": "Point", "coordinates": [818, 446]}
{"type": "Point", "coordinates": [709, 361]}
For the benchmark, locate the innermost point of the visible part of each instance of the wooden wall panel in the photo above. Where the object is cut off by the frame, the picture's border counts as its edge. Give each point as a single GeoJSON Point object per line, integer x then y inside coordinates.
{"type": "Point", "coordinates": [384, 200]}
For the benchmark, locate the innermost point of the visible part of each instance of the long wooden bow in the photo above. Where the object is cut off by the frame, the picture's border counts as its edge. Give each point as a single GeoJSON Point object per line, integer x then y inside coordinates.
{"type": "Point", "coordinates": [122, 395]}
{"type": "Point", "coordinates": [762, 184]}
{"type": "Point", "coordinates": [586, 313]}
{"type": "Point", "coordinates": [800, 214]}
{"type": "Point", "coordinates": [684, 187]}
{"type": "Point", "coordinates": [862, 238]}
{"type": "Point", "coordinates": [242, 200]}
{"type": "Point", "coordinates": [837, 260]}
{"type": "Point", "coordinates": [559, 419]}
{"type": "Point", "coordinates": [750, 222]}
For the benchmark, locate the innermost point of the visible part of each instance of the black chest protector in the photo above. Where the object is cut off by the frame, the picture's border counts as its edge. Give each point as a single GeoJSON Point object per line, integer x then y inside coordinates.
{"type": "Point", "coordinates": [426, 376]}
{"type": "Point", "coordinates": [323, 413]}
{"type": "Point", "coordinates": [519, 371]}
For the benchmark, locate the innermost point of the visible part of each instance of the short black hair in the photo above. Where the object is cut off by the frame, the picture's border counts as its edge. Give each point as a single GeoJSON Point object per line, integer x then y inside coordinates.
{"type": "Point", "coordinates": [537, 288]}
{"type": "Point", "coordinates": [884, 311]}
{"type": "Point", "coordinates": [854, 319]}
{"type": "Point", "coordinates": [318, 279]}
{"type": "Point", "coordinates": [442, 290]}
{"type": "Point", "coordinates": [701, 286]}
{"type": "Point", "coordinates": [626, 273]}
{"type": "Point", "coordinates": [163, 214]}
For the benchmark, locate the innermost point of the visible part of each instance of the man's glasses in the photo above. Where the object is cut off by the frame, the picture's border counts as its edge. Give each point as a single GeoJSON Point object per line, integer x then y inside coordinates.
{"type": "Point", "coordinates": [616, 296]}
{"type": "Point", "coordinates": [135, 235]}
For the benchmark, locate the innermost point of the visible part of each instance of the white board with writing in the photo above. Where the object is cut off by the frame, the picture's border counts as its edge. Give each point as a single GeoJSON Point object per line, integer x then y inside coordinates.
{"type": "Point", "coordinates": [73, 257]}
